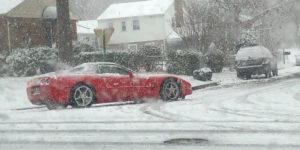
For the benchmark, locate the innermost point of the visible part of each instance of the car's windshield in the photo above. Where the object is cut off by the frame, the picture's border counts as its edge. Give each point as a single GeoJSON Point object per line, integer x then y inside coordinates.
{"type": "Point", "coordinates": [83, 69]}
{"type": "Point", "coordinates": [106, 69]}
{"type": "Point", "coordinates": [149, 74]}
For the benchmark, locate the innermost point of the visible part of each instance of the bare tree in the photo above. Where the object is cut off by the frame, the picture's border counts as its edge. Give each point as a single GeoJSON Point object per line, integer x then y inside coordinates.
{"type": "Point", "coordinates": [64, 39]}
{"type": "Point", "coordinates": [221, 22]}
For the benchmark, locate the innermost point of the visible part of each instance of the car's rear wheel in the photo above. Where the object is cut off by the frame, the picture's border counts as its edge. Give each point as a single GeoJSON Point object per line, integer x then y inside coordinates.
{"type": "Point", "coordinates": [275, 72]}
{"type": "Point", "coordinates": [82, 96]}
{"type": "Point", "coordinates": [170, 90]}
{"type": "Point", "coordinates": [268, 72]}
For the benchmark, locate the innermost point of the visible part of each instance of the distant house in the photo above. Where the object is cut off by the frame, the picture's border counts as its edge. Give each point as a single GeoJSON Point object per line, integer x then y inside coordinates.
{"type": "Point", "coordinates": [142, 23]}
{"type": "Point", "coordinates": [29, 23]}
{"type": "Point", "coordinates": [85, 32]}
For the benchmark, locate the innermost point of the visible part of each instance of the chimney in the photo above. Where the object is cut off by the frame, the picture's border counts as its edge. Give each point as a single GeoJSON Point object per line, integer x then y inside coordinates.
{"type": "Point", "coordinates": [179, 12]}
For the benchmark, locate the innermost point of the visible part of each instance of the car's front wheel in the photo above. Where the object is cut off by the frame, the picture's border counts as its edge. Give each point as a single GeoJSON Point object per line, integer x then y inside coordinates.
{"type": "Point", "coordinates": [82, 96]}
{"type": "Point", "coordinates": [170, 90]}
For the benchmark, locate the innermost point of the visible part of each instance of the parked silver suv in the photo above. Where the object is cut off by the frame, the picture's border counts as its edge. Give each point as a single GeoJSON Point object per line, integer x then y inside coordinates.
{"type": "Point", "coordinates": [255, 60]}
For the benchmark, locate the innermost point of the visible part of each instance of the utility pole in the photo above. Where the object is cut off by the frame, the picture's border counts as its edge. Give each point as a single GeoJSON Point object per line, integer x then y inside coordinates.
{"type": "Point", "coordinates": [64, 39]}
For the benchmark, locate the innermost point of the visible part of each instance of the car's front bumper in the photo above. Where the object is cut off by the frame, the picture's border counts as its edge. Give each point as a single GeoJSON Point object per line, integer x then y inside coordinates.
{"type": "Point", "coordinates": [40, 94]}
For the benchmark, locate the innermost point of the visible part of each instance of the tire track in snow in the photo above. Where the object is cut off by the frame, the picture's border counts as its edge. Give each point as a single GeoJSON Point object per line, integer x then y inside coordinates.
{"type": "Point", "coordinates": [244, 100]}
{"type": "Point", "coordinates": [155, 109]}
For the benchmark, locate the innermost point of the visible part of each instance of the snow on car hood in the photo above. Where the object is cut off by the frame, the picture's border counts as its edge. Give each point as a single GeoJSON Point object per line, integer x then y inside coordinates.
{"type": "Point", "coordinates": [255, 52]}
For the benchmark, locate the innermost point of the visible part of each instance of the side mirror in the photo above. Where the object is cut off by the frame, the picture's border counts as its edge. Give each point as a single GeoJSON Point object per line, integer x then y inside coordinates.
{"type": "Point", "coordinates": [130, 73]}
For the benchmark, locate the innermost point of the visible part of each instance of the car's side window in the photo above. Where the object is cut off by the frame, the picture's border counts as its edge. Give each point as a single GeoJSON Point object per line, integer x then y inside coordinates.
{"type": "Point", "coordinates": [104, 69]}
{"type": "Point", "coordinates": [119, 71]}
{"type": "Point", "coordinates": [112, 70]}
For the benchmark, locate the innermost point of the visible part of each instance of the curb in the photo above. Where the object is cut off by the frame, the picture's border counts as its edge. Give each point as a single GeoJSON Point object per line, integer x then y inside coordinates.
{"type": "Point", "coordinates": [194, 88]}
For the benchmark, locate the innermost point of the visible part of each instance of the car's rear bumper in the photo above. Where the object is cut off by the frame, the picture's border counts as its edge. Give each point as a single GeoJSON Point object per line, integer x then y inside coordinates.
{"type": "Point", "coordinates": [256, 69]}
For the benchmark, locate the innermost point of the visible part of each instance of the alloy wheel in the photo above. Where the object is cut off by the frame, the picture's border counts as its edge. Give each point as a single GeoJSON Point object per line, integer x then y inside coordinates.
{"type": "Point", "coordinates": [83, 96]}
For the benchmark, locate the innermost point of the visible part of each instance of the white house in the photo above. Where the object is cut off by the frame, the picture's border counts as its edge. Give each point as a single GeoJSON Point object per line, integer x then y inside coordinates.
{"type": "Point", "coordinates": [140, 23]}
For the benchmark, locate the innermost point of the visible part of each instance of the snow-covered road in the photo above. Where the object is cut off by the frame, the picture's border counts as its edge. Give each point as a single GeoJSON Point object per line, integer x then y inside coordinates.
{"type": "Point", "coordinates": [248, 116]}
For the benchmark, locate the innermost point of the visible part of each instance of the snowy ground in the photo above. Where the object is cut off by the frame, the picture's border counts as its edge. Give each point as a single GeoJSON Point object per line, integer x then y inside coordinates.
{"type": "Point", "coordinates": [255, 115]}
{"type": "Point", "coordinates": [243, 117]}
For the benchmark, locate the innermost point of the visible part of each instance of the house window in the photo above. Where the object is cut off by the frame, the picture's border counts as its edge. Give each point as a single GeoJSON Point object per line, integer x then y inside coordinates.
{"type": "Point", "coordinates": [136, 25]}
{"type": "Point", "coordinates": [123, 26]}
{"type": "Point", "coordinates": [132, 46]}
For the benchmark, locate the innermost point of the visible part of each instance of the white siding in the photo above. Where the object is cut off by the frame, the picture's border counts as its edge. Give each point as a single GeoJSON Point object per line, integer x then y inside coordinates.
{"type": "Point", "coordinates": [151, 28]}
{"type": "Point", "coordinates": [169, 16]}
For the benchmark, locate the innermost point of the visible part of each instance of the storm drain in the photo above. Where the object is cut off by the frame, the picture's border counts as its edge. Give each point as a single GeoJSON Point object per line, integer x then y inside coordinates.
{"type": "Point", "coordinates": [187, 141]}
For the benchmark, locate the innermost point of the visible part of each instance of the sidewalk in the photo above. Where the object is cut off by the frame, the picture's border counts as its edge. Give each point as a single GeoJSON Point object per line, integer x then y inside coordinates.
{"type": "Point", "coordinates": [228, 78]}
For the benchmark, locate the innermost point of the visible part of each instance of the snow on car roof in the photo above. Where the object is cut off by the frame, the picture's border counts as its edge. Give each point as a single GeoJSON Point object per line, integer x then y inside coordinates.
{"type": "Point", "coordinates": [254, 53]}
{"type": "Point", "coordinates": [134, 9]}
{"type": "Point", "coordinates": [8, 5]}
{"type": "Point", "coordinates": [97, 63]}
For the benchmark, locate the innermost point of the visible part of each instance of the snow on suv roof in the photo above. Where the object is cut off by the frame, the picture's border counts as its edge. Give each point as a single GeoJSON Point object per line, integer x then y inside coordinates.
{"type": "Point", "coordinates": [8, 5]}
{"type": "Point", "coordinates": [254, 53]}
{"type": "Point", "coordinates": [134, 9]}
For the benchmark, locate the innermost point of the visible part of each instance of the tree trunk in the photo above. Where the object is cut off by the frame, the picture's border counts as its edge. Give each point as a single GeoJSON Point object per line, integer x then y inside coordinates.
{"type": "Point", "coordinates": [64, 39]}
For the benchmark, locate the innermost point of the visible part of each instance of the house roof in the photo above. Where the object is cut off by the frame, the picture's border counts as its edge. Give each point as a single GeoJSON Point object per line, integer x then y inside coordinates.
{"type": "Point", "coordinates": [87, 27]}
{"type": "Point", "coordinates": [135, 9]}
{"type": "Point", "coordinates": [30, 9]}
{"type": "Point", "coordinates": [8, 5]}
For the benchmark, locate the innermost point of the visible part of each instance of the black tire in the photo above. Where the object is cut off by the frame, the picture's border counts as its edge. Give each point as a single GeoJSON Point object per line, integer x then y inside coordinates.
{"type": "Point", "coordinates": [267, 70]}
{"type": "Point", "coordinates": [239, 75]}
{"type": "Point", "coordinates": [209, 76]}
{"type": "Point", "coordinates": [275, 72]}
{"type": "Point", "coordinates": [82, 96]}
{"type": "Point", "coordinates": [248, 76]}
{"type": "Point", "coordinates": [170, 90]}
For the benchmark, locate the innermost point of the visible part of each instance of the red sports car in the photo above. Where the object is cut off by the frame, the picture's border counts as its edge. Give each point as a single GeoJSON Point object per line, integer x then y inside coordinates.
{"type": "Point", "coordinates": [102, 82]}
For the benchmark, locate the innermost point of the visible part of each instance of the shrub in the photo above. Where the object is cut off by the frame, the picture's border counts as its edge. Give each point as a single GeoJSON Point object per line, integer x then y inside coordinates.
{"type": "Point", "coordinates": [184, 62]}
{"type": "Point", "coordinates": [4, 67]}
{"type": "Point", "coordinates": [215, 58]}
{"type": "Point", "coordinates": [132, 59]}
{"type": "Point", "coordinates": [128, 59]}
{"type": "Point", "coordinates": [32, 61]}
{"type": "Point", "coordinates": [248, 40]}
{"type": "Point", "coordinates": [149, 57]}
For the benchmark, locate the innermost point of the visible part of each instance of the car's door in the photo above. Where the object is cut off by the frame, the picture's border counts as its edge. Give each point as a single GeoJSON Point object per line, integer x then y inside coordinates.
{"type": "Point", "coordinates": [142, 87]}
{"type": "Point", "coordinates": [115, 83]}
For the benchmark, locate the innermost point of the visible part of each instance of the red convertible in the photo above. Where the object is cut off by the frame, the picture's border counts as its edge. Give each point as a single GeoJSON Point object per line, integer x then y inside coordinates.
{"type": "Point", "coordinates": [101, 82]}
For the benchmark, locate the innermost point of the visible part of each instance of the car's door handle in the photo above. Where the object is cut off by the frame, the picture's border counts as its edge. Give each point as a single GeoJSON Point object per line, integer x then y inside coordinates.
{"type": "Point", "coordinates": [116, 84]}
